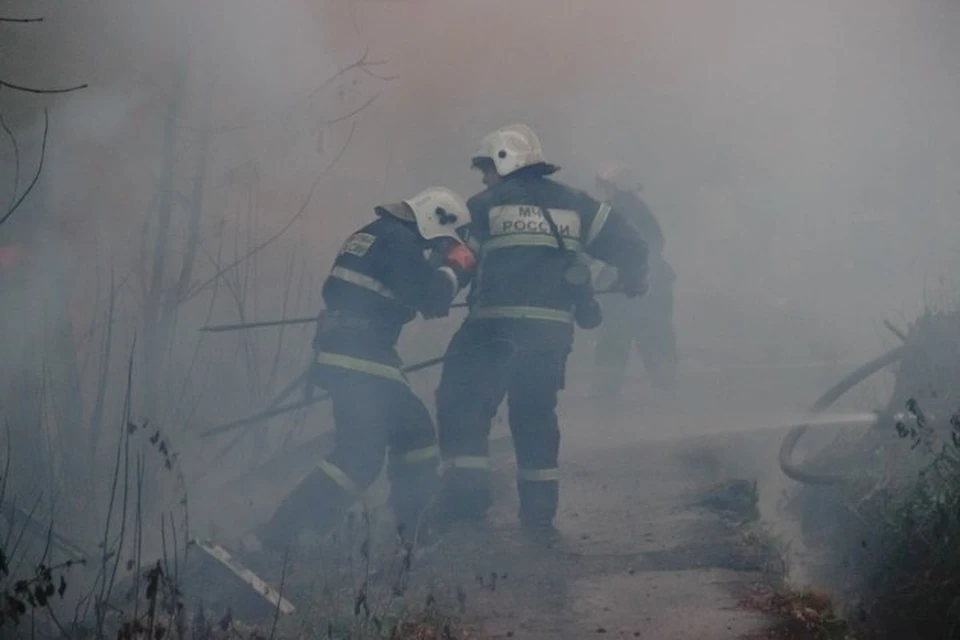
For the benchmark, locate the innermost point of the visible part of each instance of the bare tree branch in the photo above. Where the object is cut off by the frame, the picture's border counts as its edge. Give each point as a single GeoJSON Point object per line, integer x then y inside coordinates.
{"type": "Point", "coordinates": [362, 64]}
{"type": "Point", "coordinates": [36, 176]}
{"type": "Point", "coordinates": [46, 127]}
{"type": "Point", "coordinates": [21, 20]}
{"type": "Point", "coordinates": [355, 111]}
{"type": "Point", "coordinates": [366, 70]}
{"type": "Point", "coordinates": [16, 158]}
{"type": "Point", "coordinates": [196, 210]}
{"type": "Point", "coordinates": [17, 87]}
{"type": "Point", "coordinates": [303, 207]}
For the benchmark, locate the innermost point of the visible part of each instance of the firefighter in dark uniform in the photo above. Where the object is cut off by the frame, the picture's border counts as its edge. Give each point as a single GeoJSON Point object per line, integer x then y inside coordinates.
{"type": "Point", "coordinates": [531, 287]}
{"type": "Point", "coordinates": [379, 281]}
{"type": "Point", "coordinates": [648, 323]}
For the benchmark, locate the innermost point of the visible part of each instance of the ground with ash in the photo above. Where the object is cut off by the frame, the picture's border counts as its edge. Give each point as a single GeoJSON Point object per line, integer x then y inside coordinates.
{"type": "Point", "coordinates": [661, 538]}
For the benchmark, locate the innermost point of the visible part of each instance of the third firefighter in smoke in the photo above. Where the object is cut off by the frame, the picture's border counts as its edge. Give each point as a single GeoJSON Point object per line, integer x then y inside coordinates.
{"type": "Point", "coordinates": [648, 323]}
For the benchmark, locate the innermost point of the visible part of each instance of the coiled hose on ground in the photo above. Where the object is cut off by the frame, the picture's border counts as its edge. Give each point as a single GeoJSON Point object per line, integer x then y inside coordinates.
{"type": "Point", "coordinates": [824, 402]}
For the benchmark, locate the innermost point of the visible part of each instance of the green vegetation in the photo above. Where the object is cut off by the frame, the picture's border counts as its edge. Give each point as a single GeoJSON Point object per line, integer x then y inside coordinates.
{"type": "Point", "coordinates": [890, 537]}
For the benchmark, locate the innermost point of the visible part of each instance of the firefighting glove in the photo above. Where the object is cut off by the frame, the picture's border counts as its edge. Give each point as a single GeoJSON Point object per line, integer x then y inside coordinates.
{"type": "Point", "coordinates": [588, 314]}
{"type": "Point", "coordinates": [455, 256]}
{"type": "Point", "coordinates": [635, 286]}
{"type": "Point", "coordinates": [459, 258]}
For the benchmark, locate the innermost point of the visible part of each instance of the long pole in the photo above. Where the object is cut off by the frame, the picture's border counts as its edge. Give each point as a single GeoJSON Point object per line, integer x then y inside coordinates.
{"type": "Point", "coordinates": [220, 328]}
{"type": "Point", "coordinates": [274, 411]}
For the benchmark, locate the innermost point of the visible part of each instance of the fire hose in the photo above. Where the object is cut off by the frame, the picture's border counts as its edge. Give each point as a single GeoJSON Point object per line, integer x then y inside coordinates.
{"type": "Point", "coordinates": [824, 402]}
{"type": "Point", "coordinates": [220, 328]}
{"type": "Point", "coordinates": [275, 408]}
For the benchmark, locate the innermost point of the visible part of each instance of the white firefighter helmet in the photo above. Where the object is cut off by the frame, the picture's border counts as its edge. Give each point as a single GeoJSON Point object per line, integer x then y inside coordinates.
{"type": "Point", "coordinates": [511, 148]}
{"type": "Point", "coordinates": [437, 211]}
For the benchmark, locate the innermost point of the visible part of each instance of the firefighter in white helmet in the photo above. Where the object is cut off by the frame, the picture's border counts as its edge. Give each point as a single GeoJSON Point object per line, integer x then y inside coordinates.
{"type": "Point", "coordinates": [648, 323]}
{"type": "Point", "coordinates": [532, 287]}
{"type": "Point", "coordinates": [380, 280]}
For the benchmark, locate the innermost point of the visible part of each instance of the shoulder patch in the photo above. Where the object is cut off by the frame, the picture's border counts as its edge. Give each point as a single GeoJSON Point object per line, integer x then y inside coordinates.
{"type": "Point", "coordinates": [358, 244]}
{"type": "Point", "coordinates": [506, 220]}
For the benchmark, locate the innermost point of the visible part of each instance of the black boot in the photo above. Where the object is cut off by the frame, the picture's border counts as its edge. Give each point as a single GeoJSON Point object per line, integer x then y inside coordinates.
{"type": "Point", "coordinates": [464, 496]}
{"type": "Point", "coordinates": [540, 532]}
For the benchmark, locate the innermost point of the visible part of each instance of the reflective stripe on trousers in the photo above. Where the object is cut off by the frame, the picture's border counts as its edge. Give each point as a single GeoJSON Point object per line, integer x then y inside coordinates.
{"type": "Point", "coordinates": [478, 463]}
{"type": "Point", "coordinates": [538, 475]}
{"type": "Point", "coordinates": [364, 366]}
{"type": "Point", "coordinates": [338, 475]}
{"type": "Point", "coordinates": [361, 280]}
{"type": "Point", "coordinates": [523, 313]}
{"type": "Point", "coordinates": [419, 455]}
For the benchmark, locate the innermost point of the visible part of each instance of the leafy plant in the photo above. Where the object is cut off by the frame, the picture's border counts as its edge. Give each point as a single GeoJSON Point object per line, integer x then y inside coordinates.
{"type": "Point", "coordinates": [888, 541]}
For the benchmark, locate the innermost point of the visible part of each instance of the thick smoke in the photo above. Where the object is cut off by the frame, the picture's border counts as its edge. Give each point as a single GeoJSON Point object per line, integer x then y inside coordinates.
{"type": "Point", "coordinates": [801, 157]}
{"type": "Point", "coordinates": [794, 152]}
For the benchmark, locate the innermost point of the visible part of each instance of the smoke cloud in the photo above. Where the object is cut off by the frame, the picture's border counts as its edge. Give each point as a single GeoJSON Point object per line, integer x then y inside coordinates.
{"type": "Point", "coordinates": [801, 157]}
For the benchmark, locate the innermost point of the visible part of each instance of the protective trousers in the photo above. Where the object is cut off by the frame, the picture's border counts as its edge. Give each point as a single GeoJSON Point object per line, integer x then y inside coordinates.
{"type": "Point", "coordinates": [646, 322]}
{"type": "Point", "coordinates": [374, 413]}
{"type": "Point", "coordinates": [479, 371]}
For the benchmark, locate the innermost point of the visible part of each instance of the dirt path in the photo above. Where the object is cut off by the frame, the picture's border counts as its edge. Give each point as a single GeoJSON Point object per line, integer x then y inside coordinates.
{"type": "Point", "coordinates": [639, 556]}
{"type": "Point", "coordinates": [649, 548]}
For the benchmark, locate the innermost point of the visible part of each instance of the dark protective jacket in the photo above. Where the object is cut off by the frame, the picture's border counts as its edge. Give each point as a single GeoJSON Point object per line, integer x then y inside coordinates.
{"type": "Point", "coordinates": [520, 270]}
{"type": "Point", "coordinates": [636, 211]}
{"type": "Point", "coordinates": [380, 280]}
